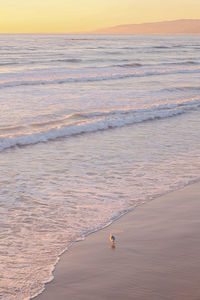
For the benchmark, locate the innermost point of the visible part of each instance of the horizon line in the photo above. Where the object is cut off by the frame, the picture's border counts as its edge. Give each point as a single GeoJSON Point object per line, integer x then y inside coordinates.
{"type": "Point", "coordinates": [94, 31]}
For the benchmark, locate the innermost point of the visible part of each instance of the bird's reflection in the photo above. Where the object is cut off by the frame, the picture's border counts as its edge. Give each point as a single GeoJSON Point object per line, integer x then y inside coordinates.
{"type": "Point", "coordinates": [112, 246]}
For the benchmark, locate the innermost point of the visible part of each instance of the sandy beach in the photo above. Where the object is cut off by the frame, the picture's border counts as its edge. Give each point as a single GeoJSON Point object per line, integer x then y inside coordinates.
{"type": "Point", "coordinates": [156, 255]}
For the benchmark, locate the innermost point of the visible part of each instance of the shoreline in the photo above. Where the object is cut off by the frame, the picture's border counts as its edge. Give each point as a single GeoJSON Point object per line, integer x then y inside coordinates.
{"type": "Point", "coordinates": [82, 271]}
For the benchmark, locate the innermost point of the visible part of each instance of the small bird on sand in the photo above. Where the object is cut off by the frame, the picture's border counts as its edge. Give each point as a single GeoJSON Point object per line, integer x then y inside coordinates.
{"type": "Point", "coordinates": [112, 239]}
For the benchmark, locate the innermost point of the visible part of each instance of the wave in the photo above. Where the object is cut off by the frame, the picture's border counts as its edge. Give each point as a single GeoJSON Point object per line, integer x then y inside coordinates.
{"type": "Point", "coordinates": [170, 47]}
{"type": "Point", "coordinates": [8, 64]}
{"type": "Point", "coordinates": [178, 89]}
{"type": "Point", "coordinates": [162, 47]}
{"type": "Point", "coordinates": [40, 124]}
{"type": "Point", "coordinates": [130, 65]}
{"type": "Point", "coordinates": [98, 121]}
{"type": "Point", "coordinates": [188, 62]}
{"type": "Point", "coordinates": [74, 39]}
{"type": "Point", "coordinates": [113, 52]}
{"type": "Point", "coordinates": [181, 88]}
{"type": "Point", "coordinates": [32, 62]}
{"type": "Point", "coordinates": [91, 78]}
{"type": "Point", "coordinates": [128, 48]}
{"type": "Point", "coordinates": [135, 64]}
{"type": "Point", "coordinates": [69, 60]}
{"type": "Point", "coordinates": [11, 128]}
{"type": "Point", "coordinates": [191, 62]}
{"type": "Point", "coordinates": [178, 46]}
{"type": "Point", "coordinates": [192, 104]}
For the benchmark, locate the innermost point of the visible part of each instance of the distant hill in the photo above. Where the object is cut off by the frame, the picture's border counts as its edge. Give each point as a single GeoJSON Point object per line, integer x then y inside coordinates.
{"type": "Point", "coordinates": [187, 26]}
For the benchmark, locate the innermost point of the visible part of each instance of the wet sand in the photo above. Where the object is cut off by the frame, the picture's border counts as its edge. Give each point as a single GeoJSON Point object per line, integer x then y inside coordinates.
{"type": "Point", "coordinates": [156, 257]}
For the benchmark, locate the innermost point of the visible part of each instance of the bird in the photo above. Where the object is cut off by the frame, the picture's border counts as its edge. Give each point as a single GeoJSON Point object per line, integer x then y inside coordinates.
{"type": "Point", "coordinates": [112, 238]}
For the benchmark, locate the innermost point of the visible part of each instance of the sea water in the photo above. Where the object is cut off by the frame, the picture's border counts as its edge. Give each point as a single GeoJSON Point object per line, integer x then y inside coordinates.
{"type": "Point", "coordinates": [91, 126]}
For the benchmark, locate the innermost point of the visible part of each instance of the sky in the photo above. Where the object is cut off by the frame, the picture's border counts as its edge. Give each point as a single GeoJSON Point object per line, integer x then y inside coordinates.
{"type": "Point", "coordinates": [71, 16]}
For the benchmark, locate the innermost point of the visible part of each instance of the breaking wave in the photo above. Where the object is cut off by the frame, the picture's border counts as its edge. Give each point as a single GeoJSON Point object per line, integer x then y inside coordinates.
{"type": "Point", "coordinates": [96, 121]}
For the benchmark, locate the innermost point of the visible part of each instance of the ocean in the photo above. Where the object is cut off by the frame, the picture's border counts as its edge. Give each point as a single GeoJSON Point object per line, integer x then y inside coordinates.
{"type": "Point", "coordinates": [91, 126]}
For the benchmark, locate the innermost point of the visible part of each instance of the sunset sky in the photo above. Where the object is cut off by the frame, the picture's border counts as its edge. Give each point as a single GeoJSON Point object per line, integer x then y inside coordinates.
{"type": "Point", "coordinates": [85, 15]}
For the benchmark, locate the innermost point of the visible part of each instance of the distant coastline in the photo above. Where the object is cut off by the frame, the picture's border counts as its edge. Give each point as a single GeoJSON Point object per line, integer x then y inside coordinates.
{"type": "Point", "coordinates": [184, 26]}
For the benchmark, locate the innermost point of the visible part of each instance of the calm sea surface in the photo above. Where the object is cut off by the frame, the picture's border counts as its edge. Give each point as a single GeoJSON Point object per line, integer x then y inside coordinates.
{"type": "Point", "coordinates": [90, 127]}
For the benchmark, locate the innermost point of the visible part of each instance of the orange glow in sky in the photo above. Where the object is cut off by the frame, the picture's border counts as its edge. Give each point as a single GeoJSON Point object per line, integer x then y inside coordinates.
{"type": "Point", "coordinates": [66, 16]}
